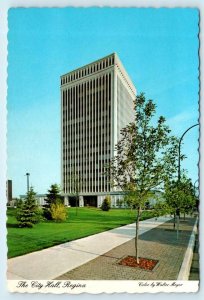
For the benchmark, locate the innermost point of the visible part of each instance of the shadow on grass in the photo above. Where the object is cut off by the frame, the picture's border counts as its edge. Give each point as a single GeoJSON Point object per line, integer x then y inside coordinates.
{"type": "Point", "coordinates": [10, 225]}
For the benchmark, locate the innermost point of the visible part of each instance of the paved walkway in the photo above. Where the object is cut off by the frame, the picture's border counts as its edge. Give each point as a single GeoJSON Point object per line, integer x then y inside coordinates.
{"type": "Point", "coordinates": [54, 261]}
{"type": "Point", "coordinates": [159, 243]}
{"type": "Point", "coordinates": [96, 257]}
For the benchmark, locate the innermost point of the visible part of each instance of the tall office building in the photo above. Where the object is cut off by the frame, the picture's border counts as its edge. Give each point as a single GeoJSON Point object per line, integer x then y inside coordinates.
{"type": "Point", "coordinates": [96, 103]}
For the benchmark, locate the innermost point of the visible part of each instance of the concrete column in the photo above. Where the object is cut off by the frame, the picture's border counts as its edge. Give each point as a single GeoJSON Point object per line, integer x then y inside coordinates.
{"type": "Point", "coordinates": [99, 201]}
{"type": "Point", "coordinates": [66, 200]}
{"type": "Point", "coordinates": [81, 201]}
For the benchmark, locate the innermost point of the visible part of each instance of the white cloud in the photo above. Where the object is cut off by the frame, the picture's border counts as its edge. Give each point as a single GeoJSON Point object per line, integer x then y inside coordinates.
{"type": "Point", "coordinates": [183, 120]}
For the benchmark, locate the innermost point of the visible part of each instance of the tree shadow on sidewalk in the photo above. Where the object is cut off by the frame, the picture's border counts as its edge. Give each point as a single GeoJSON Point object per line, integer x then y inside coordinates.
{"type": "Point", "coordinates": [167, 234]}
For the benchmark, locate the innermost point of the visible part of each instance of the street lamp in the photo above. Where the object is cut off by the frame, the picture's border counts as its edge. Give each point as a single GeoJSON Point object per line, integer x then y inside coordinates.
{"type": "Point", "coordinates": [27, 174]}
{"type": "Point", "coordinates": [179, 156]}
{"type": "Point", "coordinates": [179, 172]}
{"type": "Point", "coordinates": [194, 185]}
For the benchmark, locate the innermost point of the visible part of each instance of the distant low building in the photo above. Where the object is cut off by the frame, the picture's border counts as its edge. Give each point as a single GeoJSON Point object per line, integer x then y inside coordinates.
{"type": "Point", "coordinates": [9, 191]}
{"type": "Point", "coordinates": [40, 198]}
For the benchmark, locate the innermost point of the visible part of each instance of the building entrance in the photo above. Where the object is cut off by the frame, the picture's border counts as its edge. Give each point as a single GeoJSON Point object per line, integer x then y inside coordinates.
{"type": "Point", "coordinates": [90, 201]}
{"type": "Point", "coordinates": [73, 201]}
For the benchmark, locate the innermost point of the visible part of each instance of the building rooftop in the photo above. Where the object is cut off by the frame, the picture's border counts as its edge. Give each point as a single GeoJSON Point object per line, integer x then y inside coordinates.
{"type": "Point", "coordinates": [97, 66]}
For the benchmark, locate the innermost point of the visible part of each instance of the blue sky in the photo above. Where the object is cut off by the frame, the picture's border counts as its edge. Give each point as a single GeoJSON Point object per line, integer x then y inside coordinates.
{"type": "Point", "coordinates": [158, 47]}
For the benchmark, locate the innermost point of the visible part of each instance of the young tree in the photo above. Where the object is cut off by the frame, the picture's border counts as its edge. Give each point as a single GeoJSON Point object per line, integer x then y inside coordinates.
{"type": "Point", "coordinates": [76, 184]}
{"type": "Point", "coordinates": [53, 197]}
{"type": "Point", "coordinates": [27, 213]}
{"type": "Point", "coordinates": [146, 156]}
{"type": "Point", "coordinates": [180, 196]}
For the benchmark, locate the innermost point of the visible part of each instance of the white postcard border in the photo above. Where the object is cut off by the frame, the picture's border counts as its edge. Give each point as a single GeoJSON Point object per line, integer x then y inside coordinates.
{"type": "Point", "coordinates": [11, 285]}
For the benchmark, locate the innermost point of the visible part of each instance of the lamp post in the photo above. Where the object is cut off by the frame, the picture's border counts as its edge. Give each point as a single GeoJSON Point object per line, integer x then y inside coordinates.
{"type": "Point", "coordinates": [27, 174]}
{"type": "Point", "coordinates": [179, 156]}
{"type": "Point", "coordinates": [194, 185]}
{"type": "Point", "coordinates": [179, 173]}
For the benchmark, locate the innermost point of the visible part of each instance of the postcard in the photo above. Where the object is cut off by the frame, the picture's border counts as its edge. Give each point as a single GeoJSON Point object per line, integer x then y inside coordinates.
{"type": "Point", "coordinates": [102, 150]}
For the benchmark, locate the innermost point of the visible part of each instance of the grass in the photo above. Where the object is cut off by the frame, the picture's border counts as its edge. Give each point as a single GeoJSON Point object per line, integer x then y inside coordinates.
{"type": "Point", "coordinates": [46, 234]}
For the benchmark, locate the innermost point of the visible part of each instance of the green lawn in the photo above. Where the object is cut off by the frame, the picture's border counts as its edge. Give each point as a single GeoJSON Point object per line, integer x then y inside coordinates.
{"type": "Point", "coordinates": [46, 234]}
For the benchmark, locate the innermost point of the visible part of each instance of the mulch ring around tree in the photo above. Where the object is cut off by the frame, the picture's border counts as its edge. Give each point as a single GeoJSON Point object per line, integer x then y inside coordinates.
{"type": "Point", "coordinates": [144, 263]}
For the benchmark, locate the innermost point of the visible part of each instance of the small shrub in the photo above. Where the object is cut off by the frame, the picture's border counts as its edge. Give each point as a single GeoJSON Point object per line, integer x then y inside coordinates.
{"type": "Point", "coordinates": [58, 212]}
{"type": "Point", "coordinates": [47, 213]}
{"type": "Point", "coordinates": [106, 205]}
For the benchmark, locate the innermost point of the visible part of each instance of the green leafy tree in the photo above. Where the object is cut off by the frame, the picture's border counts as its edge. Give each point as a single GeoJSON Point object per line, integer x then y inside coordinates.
{"type": "Point", "coordinates": [53, 197]}
{"type": "Point", "coordinates": [27, 213]}
{"type": "Point", "coordinates": [161, 208]}
{"type": "Point", "coordinates": [180, 196]}
{"type": "Point", "coordinates": [119, 202]}
{"type": "Point", "coordinates": [146, 156]}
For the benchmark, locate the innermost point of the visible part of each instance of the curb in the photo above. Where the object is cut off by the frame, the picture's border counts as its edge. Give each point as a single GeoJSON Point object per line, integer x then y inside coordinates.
{"type": "Point", "coordinates": [187, 261]}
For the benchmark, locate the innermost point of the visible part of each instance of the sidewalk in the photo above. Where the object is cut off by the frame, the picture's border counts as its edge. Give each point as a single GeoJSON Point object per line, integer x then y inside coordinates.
{"type": "Point", "coordinates": [96, 257]}
{"type": "Point", "coordinates": [55, 261]}
{"type": "Point", "coordinates": [160, 243]}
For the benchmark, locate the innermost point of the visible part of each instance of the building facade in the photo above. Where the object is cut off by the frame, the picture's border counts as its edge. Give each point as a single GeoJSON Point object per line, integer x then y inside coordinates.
{"type": "Point", "coordinates": [96, 103]}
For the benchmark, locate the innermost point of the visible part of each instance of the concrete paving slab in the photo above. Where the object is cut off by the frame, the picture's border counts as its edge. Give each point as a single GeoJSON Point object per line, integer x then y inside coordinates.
{"type": "Point", "coordinates": [54, 261]}
{"type": "Point", "coordinates": [160, 243]}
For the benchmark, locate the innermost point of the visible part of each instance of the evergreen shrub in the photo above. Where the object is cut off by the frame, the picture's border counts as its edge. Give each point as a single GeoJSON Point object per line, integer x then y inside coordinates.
{"type": "Point", "coordinates": [106, 205]}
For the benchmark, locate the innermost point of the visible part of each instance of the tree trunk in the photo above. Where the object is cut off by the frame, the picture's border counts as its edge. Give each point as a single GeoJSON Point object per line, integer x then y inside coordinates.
{"type": "Point", "coordinates": [137, 234]}
{"type": "Point", "coordinates": [174, 220]}
{"type": "Point", "coordinates": [184, 215]}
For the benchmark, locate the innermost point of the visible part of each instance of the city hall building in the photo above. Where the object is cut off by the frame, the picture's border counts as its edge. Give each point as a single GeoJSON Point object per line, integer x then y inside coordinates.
{"type": "Point", "coordinates": [96, 103]}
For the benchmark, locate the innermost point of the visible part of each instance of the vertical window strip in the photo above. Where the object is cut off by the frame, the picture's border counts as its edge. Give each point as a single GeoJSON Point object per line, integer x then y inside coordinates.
{"type": "Point", "coordinates": [102, 139]}
{"type": "Point", "coordinates": [82, 139]}
{"type": "Point", "coordinates": [63, 139]}
{"type": "Point", "coordinates": [69, 139]}
{"type": "Point", "coordinates": [98, 133]}
{"type": "Point", "coordinates": [86, 142]}
{"type": "Point", "coordinates": [75, 111]}
{"type": "Point", "coordinates": [94, 134]}
{"type": "Point", "coordinates": [65, 124]}
{"type": "Point", "coordinates": [105, 137]}
{"type": "Point", "coordinates": [77, 132]}
{"type": "Point", "coordinates": [89, 120]}
{"type": "Point", "coordinates": [91, 90]}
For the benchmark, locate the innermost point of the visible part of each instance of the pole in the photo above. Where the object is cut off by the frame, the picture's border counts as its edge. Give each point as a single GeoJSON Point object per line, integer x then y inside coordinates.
{"type": "Point", "coordinates": [179, 155]}
{"type": "Point", "coordinates": [27, 174]}
{"type": "Point", "coordinates": [194, 186]}
{"type": "Point", "coordinates": [179, 172]}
